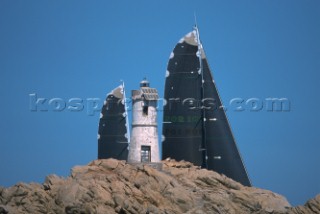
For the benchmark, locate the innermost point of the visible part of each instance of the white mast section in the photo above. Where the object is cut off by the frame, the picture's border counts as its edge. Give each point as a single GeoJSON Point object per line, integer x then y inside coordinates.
{"type": "Point", "coordinates": [126, 112]}
{"type": "Point", "coordinates": [199, 53]}
{"type": "Point", "coordinates": [203, 112]}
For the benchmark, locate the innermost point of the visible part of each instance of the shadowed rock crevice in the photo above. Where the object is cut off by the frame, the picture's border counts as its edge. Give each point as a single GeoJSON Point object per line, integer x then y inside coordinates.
{"type": "Point", "coordinates": [112, 186]}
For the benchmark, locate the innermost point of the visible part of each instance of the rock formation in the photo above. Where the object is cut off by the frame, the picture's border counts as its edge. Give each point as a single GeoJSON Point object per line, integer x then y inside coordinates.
{"type": "Point", "coordinates": [112, 186]}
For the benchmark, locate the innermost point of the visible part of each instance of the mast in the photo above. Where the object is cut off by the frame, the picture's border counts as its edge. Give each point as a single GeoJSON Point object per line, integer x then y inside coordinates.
{"type": "Point", "coordinates": [126, 112]}
{"type": "Point", "coordinates": [203, 113]}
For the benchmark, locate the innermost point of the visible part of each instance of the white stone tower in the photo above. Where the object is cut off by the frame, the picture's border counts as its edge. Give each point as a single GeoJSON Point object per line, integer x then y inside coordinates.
{"type": "Point", "coordinates": [144, 146]}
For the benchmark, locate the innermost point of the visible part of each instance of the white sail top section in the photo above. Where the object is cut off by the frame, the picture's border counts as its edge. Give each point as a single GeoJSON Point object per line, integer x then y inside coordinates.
{"type": "Point", "coordinates": [192, 39]}
{"type": "Point", "coordinates": [117, 92]}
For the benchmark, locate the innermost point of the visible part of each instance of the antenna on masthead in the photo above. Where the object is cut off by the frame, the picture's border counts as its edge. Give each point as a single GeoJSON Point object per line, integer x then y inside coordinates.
{"type": "Point", "coordinates": [195, 19]}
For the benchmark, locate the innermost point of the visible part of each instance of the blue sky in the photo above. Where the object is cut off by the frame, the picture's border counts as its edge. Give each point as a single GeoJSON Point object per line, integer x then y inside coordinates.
{"type": "Point", "coordinates": [81, 49]}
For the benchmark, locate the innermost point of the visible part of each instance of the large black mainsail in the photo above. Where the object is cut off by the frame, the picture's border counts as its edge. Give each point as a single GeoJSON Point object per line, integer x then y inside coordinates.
{"type": "Point", "coordinates": [113, 133]}
{"type": "Point", "coordinates": [195, 126]}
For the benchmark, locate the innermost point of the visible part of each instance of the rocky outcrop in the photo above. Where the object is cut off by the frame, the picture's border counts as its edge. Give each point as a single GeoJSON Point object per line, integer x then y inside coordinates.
{"type": "Point", "coordinates": [112, 186]}
{"type": "Point", "coordinates": [312, 206]}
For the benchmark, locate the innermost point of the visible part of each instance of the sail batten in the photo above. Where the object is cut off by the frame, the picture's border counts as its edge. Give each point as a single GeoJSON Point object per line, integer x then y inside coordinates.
{"type": "Point", "coordinates": [196, 128]}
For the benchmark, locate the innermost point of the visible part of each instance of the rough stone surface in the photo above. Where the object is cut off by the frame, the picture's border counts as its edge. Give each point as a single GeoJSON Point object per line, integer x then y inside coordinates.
{"type": "Point", "coordinates": [112, 186]}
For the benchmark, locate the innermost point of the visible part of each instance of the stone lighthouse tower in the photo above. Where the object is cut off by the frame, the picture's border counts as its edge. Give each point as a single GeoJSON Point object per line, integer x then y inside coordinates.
{"type": "Point", "coordinates": [144, 145]}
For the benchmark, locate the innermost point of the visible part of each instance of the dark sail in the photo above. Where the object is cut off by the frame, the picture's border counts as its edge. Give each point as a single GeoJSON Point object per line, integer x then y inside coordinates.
{"type": "Point", "coordinates": [195, 126]}
{"type": "Point", "coordinates": [113, 134]}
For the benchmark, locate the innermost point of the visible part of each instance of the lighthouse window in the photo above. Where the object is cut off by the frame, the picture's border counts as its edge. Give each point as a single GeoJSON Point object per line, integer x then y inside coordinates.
{"type": "Point", "coordinates": [145, 110]}
{"type": "Point", "coordinates": [145, 154]}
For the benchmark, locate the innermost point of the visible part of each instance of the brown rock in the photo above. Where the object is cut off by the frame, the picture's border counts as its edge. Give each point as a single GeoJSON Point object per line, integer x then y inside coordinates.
{"type": "Point", "coordinates": [112, 186]}
{"type": "Point", "coordinates": [312, 206]}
